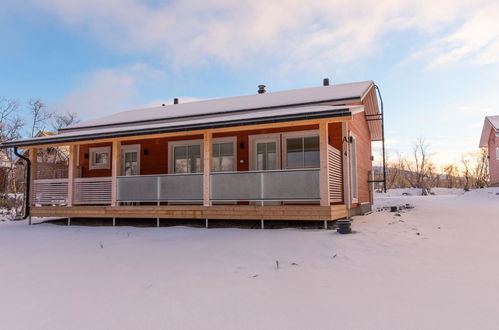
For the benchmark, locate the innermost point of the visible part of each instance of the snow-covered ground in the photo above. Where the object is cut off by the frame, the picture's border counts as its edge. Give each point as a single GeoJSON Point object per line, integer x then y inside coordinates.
{"type": "Point", "coordinates": [433, 267]}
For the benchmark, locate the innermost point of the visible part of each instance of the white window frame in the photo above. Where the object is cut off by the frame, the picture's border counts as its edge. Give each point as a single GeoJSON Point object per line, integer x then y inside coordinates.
{"type": "Point", "coordinates": [497, 153]}
{"type": "Point", "coordinates": [295, 134]}
{"type": "Point", "coordinates": [130, 147]}
{"type": "Point", "coordinates": [259, 138]}
{"type": "Point", "coordinates": [355, 199]}
{"type": "Point", "coordinates": [93, 151]}
{"type": "Point", "coordinates": [183, 143]}
{"type": "Point", "coordinates": [227, 139]}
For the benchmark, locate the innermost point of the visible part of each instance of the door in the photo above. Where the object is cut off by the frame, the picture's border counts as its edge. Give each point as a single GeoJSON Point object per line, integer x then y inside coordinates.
{"type": "Point", "coordinates": [265, 152]}
{"type": "Point", "coordinates": [130, 160]}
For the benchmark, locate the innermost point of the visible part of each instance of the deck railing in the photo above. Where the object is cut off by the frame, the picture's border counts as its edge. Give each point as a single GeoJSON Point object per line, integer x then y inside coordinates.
{"type": "Point", "coordinates": [275, 185]}
{"type": "Point", "coordinates": [278, 185]}
{"type": "Point", "coordinates": [50, 192]}
{"type": "Point", "coordinates": [300, 185]}
{"type": "Point", "coordinates": [92, 191]}
{"type": "Point", "coordinates": [160, 188]}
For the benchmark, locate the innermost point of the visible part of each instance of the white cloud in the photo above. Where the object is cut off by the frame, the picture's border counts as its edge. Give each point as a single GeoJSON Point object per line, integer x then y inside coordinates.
{"type": "Point", "coordinates": [107, 91]}
{"type": "Point", "coordinates": [297, 34]}
{"type": "Point", "coordinates": [474, 41]}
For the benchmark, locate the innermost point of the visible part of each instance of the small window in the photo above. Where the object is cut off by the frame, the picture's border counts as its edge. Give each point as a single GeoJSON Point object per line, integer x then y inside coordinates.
{"type": "Point", "coordinates": [100, 158]}
{"type": "Point", "coordinates": [302, 152]}
{"type": "Point", "coordinates": [497, 153]}
{"type": "Point", "coordinates": [223, 157]}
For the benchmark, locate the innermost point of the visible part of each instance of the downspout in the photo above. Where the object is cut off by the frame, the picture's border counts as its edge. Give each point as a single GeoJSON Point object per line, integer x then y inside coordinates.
{"type": "Point", "coordinates": [382, 137]}
{"type": "Point", "coordinates": [28, 182]}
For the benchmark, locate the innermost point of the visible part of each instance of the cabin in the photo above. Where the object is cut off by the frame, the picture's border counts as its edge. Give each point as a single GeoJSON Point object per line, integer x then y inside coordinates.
{"type": "Point", "coordinates": [301, 154]}
{"type": "Point", "coordinates": [490, 140]}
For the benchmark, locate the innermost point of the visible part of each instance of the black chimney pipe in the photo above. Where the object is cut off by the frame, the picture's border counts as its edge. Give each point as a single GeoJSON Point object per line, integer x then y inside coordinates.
{"type": "Point", "coordinates": [28, 182]}
{"type": "Point", "coordinates": [175, 101]}
{"type": "Point", "coordinates": [325, 82]}
{"type": "Point", "coordinates": [261, 89]}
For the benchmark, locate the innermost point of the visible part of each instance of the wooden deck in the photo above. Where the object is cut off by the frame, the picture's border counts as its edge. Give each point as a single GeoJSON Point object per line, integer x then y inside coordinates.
{"type": "Point", "coordinates": [226, 212]}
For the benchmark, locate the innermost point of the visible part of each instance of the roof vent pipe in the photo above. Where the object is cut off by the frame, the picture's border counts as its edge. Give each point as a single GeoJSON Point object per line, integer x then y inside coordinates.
{"type": "Point", "coordinates": [175, 101]}
{"type": "Point", "coordinates": [261, 89]}
{"type": "Point", "coordinates": [325, 82]}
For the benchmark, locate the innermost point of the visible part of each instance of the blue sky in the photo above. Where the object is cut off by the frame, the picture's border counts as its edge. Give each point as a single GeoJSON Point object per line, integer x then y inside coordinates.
{"type": "Point", "coordinates": [437, 64]}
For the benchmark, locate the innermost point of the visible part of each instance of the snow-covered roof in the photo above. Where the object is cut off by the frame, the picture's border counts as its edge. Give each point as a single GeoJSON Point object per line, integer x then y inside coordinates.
{"type": "Point", "coordinates": [491, 122]}
{"type": "Point", "coordinates": [334, 94]}
{"type": "Point", "coordinates": [291, 105]}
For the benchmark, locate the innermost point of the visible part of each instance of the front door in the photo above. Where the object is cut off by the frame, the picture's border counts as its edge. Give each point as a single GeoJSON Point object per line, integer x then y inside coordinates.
{"type": "Point", "coordinates": [130, 159]}
{"type": "Point", "coordinates": [264, 152]}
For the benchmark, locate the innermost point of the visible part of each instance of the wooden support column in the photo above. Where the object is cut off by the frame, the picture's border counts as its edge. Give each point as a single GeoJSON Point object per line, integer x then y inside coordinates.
{"type": "Point", "coordinates": [324, 172]}
{"type": "Point", "coordinates": [115, 170]}
{"type": "Point", "coordinates": [207, 146]}
{"type": "Point", "coordinates": [33, 157]}
{"type": "Point", "coordinates": [346, 165]}
{"type": "Point", "coordinates": [72, 171]}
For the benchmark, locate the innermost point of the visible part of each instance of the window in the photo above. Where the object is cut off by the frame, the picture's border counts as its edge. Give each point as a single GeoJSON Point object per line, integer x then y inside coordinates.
{"type": "Point", "coordinates": [302, 152]}
{"type": "Point", "coordinates": [497, 153]}
{"type": "Point", "coordinates": [100, 158]}
{"type": "Point", "coordinates": [187, 159]}
{"type": "Point", "coordinates": [353, 168]}
{"type": "Point", "coordinates": [223, 158]}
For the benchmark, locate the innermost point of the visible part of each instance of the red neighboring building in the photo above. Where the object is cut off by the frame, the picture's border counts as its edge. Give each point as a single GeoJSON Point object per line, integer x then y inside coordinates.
{"type": "Point", "coordinates": [490, 140]}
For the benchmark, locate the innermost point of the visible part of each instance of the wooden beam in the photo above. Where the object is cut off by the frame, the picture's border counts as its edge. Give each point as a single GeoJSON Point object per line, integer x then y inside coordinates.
{"type": "Point", "coordinates": [72, 171]}
{"type": "Point", "coordinates": [225, 212]}
{"type": "Point", "coordinates": [199, 132]}
{"type": "Point", "coordinates": [207, 146]}
{"type": "Point", "coordinates": [115, 170]}
{"type": "Point", "coordinates": [324, 172]}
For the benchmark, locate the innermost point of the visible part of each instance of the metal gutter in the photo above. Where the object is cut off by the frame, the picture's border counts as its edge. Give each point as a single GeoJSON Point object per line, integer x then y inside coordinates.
{"type": "Point", "coordinates": [235, 123]}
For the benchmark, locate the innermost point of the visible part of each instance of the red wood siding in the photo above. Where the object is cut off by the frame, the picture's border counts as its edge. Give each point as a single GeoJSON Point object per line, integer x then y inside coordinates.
{"type": "Point", "coordinates": [493, 162]}
{"type": "Point", "coordinates": [358, 126]}
{"type": "Point", "coordinates": [84, 161]}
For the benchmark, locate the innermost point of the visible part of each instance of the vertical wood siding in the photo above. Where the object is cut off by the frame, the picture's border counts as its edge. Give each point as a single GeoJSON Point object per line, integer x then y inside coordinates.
{"type": "Point", "coordinates": [493, 162]}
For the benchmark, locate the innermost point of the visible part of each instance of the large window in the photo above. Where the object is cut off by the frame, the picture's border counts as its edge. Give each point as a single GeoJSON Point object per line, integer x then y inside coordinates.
{"type": "Point", "coordinates": [302, 152]}
{"type": "Point", "coordinates": [100, 158]}
{"type": "Point", "coordinates": [223, 157]}
{"type": "Point", "coordinates": [187, 158]}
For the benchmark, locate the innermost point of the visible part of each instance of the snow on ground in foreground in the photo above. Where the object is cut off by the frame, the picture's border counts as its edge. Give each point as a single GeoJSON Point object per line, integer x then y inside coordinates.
{"type": "Point", "coordinates": [433, 267]}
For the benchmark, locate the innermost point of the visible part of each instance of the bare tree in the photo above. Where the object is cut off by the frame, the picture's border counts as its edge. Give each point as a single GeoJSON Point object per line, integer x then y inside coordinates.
{"type": "Point", "coordinates": [418, 167]}
{"type": "Point", "coordinates": [11, 126]}
{"type": "Point", "coordinates": [39, 116]}
{"type": "Point", "coordinates": [63, 120]}
{"type": "Point", "coordinates": [451, 173]}
{"type": "Point", "coordinates": [481, 169]}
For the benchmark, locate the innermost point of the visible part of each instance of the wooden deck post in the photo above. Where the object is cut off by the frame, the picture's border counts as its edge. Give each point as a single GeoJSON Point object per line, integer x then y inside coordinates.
{"type": "Point", "coordinates": [324, 173]}
{"type": "Point", "coordinates": [33, 158]}
{"type": "Point", "coordinates": [207, 146]}
{"type": "Point", "coordinates": [115, 170]}
{"type": "Point", "coordinates": [72, 170]}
